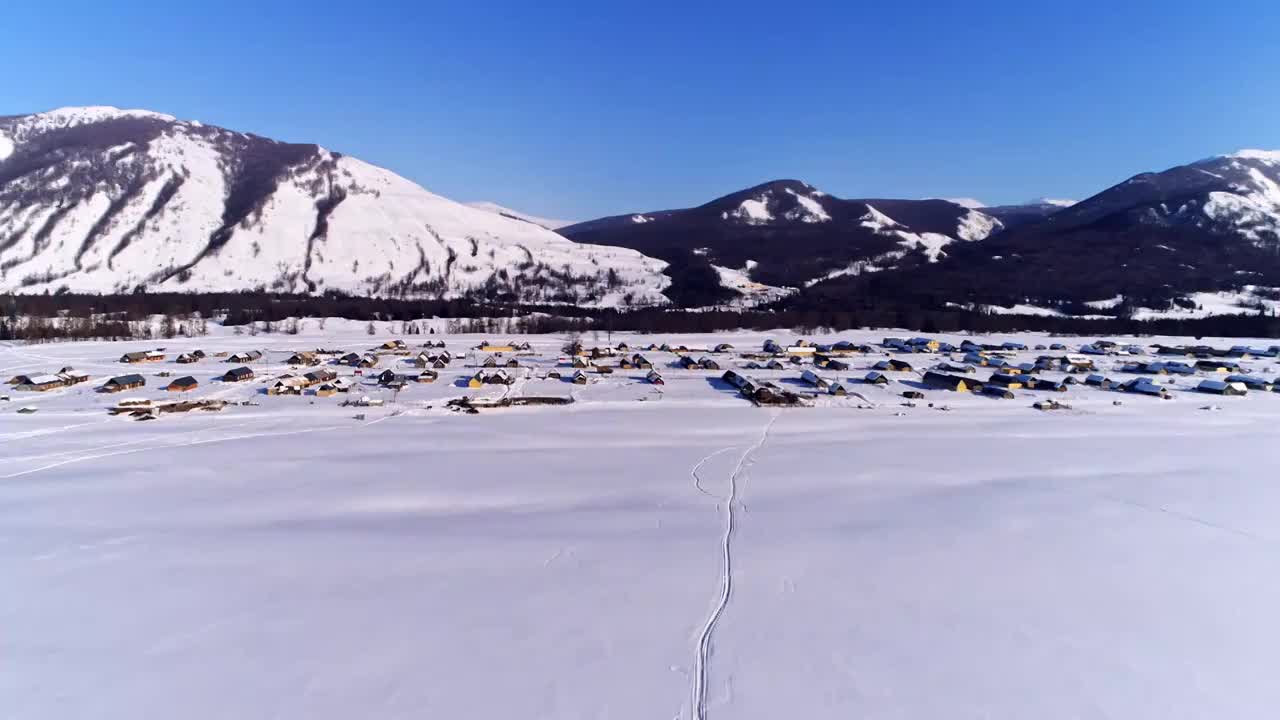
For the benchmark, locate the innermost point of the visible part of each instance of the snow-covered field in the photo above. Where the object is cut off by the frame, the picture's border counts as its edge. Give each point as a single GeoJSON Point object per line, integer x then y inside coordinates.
{"type": "Point", "coordinates": [287, 560]}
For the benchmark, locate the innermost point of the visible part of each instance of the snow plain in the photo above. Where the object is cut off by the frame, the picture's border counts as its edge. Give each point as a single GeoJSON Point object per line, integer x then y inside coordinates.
{"type": "Point", "coordinates": [287, 560]}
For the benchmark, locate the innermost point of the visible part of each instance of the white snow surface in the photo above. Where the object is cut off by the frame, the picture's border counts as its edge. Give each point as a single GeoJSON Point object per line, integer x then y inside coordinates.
{"type": "Point", "coordinates": [972, 226]}
{"type": "Point", "coordinates": [540, 221]}
{"type": "Point", "coordinates": [810, 210]}
{"type": "Point", "coordinates": [752, 292]}
{"type": "Point", "coordinates": [977, 226]}
{"type": "Point", "coordinates": [6, 146]}
{"type": "Point", "coordinates": [1105, 304]}
{"type": "Point", "coordinates": [1268, 156]}
{"type": "Point", "coordinates": [286, 560]}
{"type": "Point", "coordinates": [387, 234]}
{"type": "Point", "coordinates": [1252, 207]}
{"type": "Point", "coordinates": [754, 211]}
{"type": "Point", "coordinates": [970, 203]}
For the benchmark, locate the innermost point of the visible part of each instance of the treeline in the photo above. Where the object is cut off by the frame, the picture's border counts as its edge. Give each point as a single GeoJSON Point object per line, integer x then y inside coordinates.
{"type": "Point", "coordinates": [70, 316]}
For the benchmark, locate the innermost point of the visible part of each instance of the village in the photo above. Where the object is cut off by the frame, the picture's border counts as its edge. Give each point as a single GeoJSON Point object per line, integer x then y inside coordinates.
{"type": "Point", "coordinates": [452, 373]}
{"type": "Point", "coordinates": [1022, 484]}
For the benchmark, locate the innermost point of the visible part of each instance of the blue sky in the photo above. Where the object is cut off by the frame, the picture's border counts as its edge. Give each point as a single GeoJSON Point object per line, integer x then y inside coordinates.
{"type": "Point", "coordinates": [577, 109]}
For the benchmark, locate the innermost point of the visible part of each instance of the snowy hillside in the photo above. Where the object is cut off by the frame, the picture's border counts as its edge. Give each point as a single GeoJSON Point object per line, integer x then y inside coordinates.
{"type": "Point", "coordinates": [106, 200]}
{"type": "Point", "coordinates": [787, 233]}
{"type": "Point", "coordinates": [517, 215]}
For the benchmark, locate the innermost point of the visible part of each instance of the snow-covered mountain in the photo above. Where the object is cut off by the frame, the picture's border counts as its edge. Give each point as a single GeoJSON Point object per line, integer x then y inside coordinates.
{"type": "Point", "coordinates": [1011, 216]}
{"type": "Point", "coordinates": [1159, 242]}
{"type": "Point", "coordinates": [787, 233]}
{"type": "Point", "coordinates": [517, 215]}
{"type": "Point", "coordinates": [98, 199]}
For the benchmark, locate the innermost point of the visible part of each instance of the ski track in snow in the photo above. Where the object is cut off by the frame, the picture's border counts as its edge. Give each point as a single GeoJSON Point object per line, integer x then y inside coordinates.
{"type": "Point", "coordinates": [188, 443]}
{"type": "Point", "coordinates": [698, 703]}
{"type": "Point", "coordinates": [697, 479]}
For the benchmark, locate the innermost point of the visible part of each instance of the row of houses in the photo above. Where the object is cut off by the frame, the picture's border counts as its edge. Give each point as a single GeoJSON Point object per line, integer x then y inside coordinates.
{"type": "Point", "coordinates": [65, 377]}
{"type": "Point", "coordinates": [703, 363]}
{"type": "Point", "coordinates": [490, 377]}
{"type": "Point", "coordinates": [760, 392]}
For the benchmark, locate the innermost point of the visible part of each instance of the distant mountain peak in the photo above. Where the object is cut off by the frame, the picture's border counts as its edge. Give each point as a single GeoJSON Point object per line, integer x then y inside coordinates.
{"type": "Point", "coordinates": [1268, 156]}
{"type": "Point", "coordinates": [98, 199]}
{"type": "Point", "coordinates": [971, 203]}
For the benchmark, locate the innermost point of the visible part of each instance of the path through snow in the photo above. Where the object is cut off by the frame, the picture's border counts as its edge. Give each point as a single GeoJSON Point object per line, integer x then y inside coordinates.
{"type": "Point", "coordinates": [700, 674]}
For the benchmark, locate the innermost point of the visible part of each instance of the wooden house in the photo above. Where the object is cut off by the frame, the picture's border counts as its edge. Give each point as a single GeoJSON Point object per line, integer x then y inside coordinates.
{"type": "Point", "coordinates": [183, 384]}
{"type": "Point", "coordinates": [722, 348]}
{"type": "Point", "coordinates": [123, 382]}
{"type": "Point", "coordinates": [73, 377]}
{"type": "Point", "coordinates": [875, 378]}
{"type": "Point", "coordinates": [913, 394]}
{"type": "Point", "coordinates": [815, 380]}
{"type": "Point", "coordinates": [317, 377]}
{"type": "Point", "coordinates": [368, 361]}
{"type": "Point", "coordinates": [303, 358]}
{"type": "Point", "coordinates": [245, 357]}
{"type": "Point", "coordinates": [892, 365]}
{"type": "Point", "coordinates": [1252, 382]}
{"type": "Point", "coordinates": [626, 364]}
{"type": "Point", "coordinates": [687, 362]}
{"type": "Point", "coordinates": [1217, 366]}
{"type": "Point", "coordinates": [579, 377]}
{"type": "Point", "coordinates": [997, 391]}
{"type": "Point", "coordinates": [955, 383]}
{"type": "Point", "coordinates": [40, 383]}
{"type": "Point", "coordinates": [655, 378]}
{"type": "Point", "coordinates": [489, 347]}
{"type": "Point", "coordinates": [239, 374]}
{"type": "Point", "coordinates": [287, 386]}
{"type": "Point", "coordinates": [641, 362]}
{"type": "Point", "coordinates": [1048, 385]}
{"type": "Point", "coordinates": [350, 359]}
{"type": "Point", "coordinates": [142, 356]}
{"type": "Point", "coordinates": [1222, 387]}
{"type": "Point", "coordinates": [1005, 380]}
{"type": "Point", "coordinates": [393, 345]}
{"type": "Point", "coordinates": [186, 359]}
{"type": "Point", "coordinates": [707, 363]}
{"type": "Point", "coordinates": [838, 389]}
{"type": "Point", "coordinates": [1144, 386]}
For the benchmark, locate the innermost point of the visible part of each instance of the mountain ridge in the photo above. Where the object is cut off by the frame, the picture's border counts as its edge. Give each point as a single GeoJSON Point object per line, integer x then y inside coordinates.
{"type": "Point", "coordinates": [99, 199]}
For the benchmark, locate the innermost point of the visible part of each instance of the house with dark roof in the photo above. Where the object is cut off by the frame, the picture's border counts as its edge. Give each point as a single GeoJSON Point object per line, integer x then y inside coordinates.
{"type": "Point", "coordinates": [239, 374]}
{"type": "Point", "coordinates": [183, 384]}
{"type": "Point", "coordinates": [123, 382]}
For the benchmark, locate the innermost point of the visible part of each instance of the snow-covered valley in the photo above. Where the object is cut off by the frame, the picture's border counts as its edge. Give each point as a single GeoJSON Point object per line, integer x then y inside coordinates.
{"type": "Point", "coordinates": [887, 558]}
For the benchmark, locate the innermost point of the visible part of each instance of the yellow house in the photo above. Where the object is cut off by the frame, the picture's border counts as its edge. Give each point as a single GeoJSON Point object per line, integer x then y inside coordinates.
{"type": "Point", "coordinates": [476, 381]}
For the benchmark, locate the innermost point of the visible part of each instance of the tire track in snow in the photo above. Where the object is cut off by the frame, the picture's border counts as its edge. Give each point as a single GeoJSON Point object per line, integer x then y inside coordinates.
{"type": "Point", "coordinates": [698, 704]}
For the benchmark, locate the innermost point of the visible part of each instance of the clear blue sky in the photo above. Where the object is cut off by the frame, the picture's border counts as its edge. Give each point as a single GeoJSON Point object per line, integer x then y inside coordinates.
{"type": "Point", "coordinates": [581, 109]}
